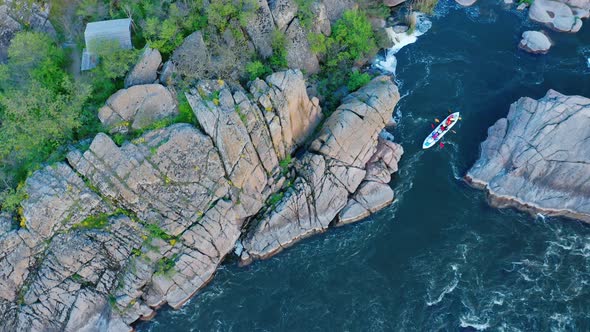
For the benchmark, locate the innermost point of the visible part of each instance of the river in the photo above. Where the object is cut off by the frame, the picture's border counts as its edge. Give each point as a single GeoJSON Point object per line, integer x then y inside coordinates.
{"type": "Point", "coordinates": [439, 258]}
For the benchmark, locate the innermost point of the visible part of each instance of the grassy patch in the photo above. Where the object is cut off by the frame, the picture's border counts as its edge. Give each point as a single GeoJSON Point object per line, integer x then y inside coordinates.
{"type": "Point", "coordinates": [274, 199]}
{"type": "Point", "coordinates": [165, 265]}
{"type": "Point", "coordinates": [97, 221]}
{"type": "Point", "coordinates": [285, 164]}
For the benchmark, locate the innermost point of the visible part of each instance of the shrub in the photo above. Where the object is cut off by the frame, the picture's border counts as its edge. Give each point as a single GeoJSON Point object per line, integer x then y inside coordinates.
{"type": "Point", "coordinates": [285, 164]}
{"type": "Point", "coordinates": [357, 80]}
{"type": "Point", "coordinates": [354, 36]}
{"type": "Point", "coordinates": [256, 69]}
{"type": "Point", "coordinates": [221, 12]}
{"type": "Point", "coordinates": [278, 60]}
{"type": "Point", "coordinates": [352, 40]}
{"type": "Point", "coordinates": [305, 12]}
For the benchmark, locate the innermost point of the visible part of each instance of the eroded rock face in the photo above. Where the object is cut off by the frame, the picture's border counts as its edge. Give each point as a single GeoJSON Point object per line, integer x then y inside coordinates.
{"type": "Point", "coordinates": [536, 159]}
{"type": "Point", "coordinates": [121, 230]}
{"type": "Point", "coordinates": [137, 107]}
{"type": "Point", "coordinates": [561, 16]}
{"type": "Point", "coordinates": [535, 42]}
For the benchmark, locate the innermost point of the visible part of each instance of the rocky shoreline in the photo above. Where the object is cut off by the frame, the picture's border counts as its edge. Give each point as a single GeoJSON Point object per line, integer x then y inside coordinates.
{"type": "Point", "coordinates": [119, 231]}
{"type": "Point", "coordinates": [535, 159]}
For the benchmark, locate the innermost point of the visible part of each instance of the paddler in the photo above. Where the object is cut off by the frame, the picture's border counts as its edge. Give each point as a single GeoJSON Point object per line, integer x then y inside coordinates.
{"type": "Point", "coordinates": [449, 120]}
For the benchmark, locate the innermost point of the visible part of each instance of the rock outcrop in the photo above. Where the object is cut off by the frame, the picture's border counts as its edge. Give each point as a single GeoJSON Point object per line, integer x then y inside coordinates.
{"type": "Point", "coordinates": [328, 174]}
{"type": "Point", "coordinates": [537, 159]}
{"type": "Point", "coordinates": [562, 15]}
{"type": "Point", "coordinates": [137, 107]}
{"type": "Point", "coordinates": [119, 231]}
{"type": "Point", "coordinates": [145, 70]}
{"type": "Point", "coordinates": [535, 42]}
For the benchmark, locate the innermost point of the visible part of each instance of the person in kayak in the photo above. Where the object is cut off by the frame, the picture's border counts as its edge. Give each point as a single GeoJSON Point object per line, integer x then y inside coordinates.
{"type": "Point", "coordinates": [449, 120]}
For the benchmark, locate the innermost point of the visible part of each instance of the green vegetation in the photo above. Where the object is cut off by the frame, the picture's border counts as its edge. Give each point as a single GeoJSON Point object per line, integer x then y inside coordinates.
{"type": "Point", "coordinates": [357, 80]}
{"type": "Point", "coordinates": [285, 164]}
{"type": "Point", "coordinates": [156, 232]}
{"type": "Point", "coordinates": [278, 60]}
{"type": "Point", "coordinates": [39, 109]}
{"type": "Point", "coordinates": [305, 13]}
{"type": "Point", "coordinates": [426, 6]}
{"type": "Point", "coordinates": [164, 266]}
{"type": "Point", "coordinates": [98, 221]}
{"type": "Point", "coordinates": [221, 12]}
{"type": "Point", "coordinates": [274, 199]}
{"type": "Point", "coordinates": [352, 41]}
{"type": "Point", "coordinates": [256, 69]}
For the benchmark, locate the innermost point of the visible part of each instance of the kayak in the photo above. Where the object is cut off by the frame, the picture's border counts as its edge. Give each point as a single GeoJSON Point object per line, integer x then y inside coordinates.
{"type": "Point", "coordinates": [438, 133]}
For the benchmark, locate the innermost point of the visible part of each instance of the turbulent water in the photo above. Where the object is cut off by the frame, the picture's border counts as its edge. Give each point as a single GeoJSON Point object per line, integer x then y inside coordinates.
{"type": "Point", "coordinates": [439, 258]}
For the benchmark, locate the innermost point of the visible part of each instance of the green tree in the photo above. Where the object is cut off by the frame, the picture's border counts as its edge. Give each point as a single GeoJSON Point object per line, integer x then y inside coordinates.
{"type": "Point", "coordinates": [40, 109]}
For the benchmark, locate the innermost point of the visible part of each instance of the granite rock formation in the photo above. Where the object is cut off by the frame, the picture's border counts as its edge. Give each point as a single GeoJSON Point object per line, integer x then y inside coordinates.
{"type": "Point", "coordinates": [535, 42]}
{"type": "Point", "coordinates": [537, 159]}
{"type": "Point", "coordinates": [115, 232]}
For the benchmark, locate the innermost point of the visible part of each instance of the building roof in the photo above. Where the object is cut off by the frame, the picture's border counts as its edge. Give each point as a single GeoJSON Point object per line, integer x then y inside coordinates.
{"type": "Point", "coordinates": [108, 30]}
{"type": "Point", "coordinates": [107, 27]}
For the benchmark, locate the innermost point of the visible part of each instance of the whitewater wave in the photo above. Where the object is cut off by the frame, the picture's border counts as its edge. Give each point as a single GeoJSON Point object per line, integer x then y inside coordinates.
{"type": "Point", "coordinates": [449, 288]}
{"type": "Point", "coordinates": [473, 322]}
{"type": "Point", "coordinates": [401, 40]}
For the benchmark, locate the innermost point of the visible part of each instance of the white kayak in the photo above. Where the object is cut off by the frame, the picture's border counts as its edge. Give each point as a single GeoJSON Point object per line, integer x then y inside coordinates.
{"type": "Point", "coordinates": [438, 133]}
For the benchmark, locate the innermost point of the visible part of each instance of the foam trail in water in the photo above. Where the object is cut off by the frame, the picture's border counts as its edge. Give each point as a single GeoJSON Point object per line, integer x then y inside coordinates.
{"type": "Point", "coordinates": [448, 288]}
{"type": "Point", "coordinates": [472, 321]}
{"type": "Point", "coordinates": [402, 39]}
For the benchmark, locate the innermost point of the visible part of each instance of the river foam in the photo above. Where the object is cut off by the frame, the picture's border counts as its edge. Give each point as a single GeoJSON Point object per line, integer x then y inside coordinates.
{"type": "Point", "coordinates": [401, 40]}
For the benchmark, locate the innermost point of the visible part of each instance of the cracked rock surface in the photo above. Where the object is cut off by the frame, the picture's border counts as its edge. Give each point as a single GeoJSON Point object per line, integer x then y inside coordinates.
{"type": "Point", "coordinates": [538, 158]}
{"type": "Point", "coordinates": [115, 232]}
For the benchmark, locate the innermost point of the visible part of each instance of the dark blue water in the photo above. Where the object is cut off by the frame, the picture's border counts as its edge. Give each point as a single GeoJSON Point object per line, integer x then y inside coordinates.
{"type": "Point", "coordinates": [439, 258]}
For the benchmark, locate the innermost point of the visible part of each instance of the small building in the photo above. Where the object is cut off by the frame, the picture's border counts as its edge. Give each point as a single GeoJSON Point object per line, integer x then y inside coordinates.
{"type": "Point", "coordinates": [111, 30]}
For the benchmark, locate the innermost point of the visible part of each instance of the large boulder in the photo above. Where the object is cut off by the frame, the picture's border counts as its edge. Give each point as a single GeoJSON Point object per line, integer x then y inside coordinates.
{"type": "Point", "coordinates": [299, 54]}
{"type": "Point", "coordinates": [535, 159]}
{"type": "Point", "coordinates": [557, 15]}
{"type": "Point", "coordinates": [260, 28]}
{"type": "Point", "coordinates": [145, 70]}
{"type": "Point", "coordinates": [137, 107]}
{"type": "Point", "coordinates": [535, 42]}
{"type": "Point", "coordinates": [190, 59]}
{"type": "Point", "coordinates": [283, 12]}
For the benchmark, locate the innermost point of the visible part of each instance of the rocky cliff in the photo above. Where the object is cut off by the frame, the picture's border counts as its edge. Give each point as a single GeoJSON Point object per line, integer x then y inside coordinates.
{"type": "Point", "coordinates": [537, 158]}
{"type": "Point", "coordinates": [115, 232]}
